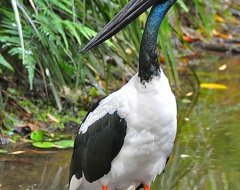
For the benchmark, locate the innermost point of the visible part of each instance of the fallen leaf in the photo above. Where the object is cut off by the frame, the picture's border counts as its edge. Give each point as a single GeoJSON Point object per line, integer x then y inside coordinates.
{"type": "Point", "coordinates": [189, 39]}
{"type": "Point", "coordinates": [189, 94]}
{"type": "Point", "coordinates": [184, 156]}
{"type": "Point", "coordinates": [41, 152]}
{"type": "Point", "coordinates": [52, 135]}
{"type": "Point", "coordinates": [21, 125]}
{"type": "Point", "coordinates": [18, 152]}
{"type": "Point", "coordinates": [223, 67]}
{"type": "Point", "coordinates": [54, 119]}
{"type": "Point", "coordinates": [216, 33]}
{"type": "Point", "coordinates": [33, 127]}
{"type": "Point", "coordinates": [185, 60]}
{"type": "Point", "coordinates": [219, 19]}
{"type": "Point", "coordinates": [213, 86]}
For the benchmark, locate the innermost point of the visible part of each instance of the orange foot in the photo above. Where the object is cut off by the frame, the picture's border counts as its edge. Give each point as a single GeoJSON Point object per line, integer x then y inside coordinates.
{"type": "Point", "coordinates": [104, 188]}
{"type": "Point", "coordinates": [145, 187]}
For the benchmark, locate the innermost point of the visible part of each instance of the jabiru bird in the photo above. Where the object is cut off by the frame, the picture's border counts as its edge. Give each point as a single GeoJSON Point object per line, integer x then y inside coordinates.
{"type": "Point", "coordinates": [127, 137]}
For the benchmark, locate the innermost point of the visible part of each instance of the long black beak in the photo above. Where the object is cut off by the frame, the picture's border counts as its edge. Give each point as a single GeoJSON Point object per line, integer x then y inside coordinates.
{"type": "Point", "coordinates": [131, 11]}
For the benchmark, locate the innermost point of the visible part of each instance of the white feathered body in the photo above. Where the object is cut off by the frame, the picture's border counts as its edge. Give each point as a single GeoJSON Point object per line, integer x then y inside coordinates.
{"type": "Point", "coordinates": [150, 112]}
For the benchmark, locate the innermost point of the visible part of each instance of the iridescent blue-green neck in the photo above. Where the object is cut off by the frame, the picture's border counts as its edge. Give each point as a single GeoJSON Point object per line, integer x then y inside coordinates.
{"type": "Point", "coordinates": [148, 57]}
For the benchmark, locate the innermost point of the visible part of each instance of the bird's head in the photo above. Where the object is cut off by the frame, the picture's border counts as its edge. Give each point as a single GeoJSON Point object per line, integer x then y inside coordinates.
{"type": "Point", "coordinates": [130, 12]}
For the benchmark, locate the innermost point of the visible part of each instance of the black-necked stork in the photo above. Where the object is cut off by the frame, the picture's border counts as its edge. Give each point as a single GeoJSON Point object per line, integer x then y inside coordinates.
{"type": "Point", "coordinates": [127, 137]}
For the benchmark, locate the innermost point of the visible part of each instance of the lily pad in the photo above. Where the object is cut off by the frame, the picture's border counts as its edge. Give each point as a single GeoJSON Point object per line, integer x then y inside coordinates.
{"type": "Point", "coordinates": [64, 143]}
{"type": "Point", "coordinates": [43, 144]}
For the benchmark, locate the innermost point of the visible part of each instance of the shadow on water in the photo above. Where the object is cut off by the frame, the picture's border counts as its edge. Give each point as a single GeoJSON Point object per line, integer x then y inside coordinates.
{"type": "Point", "coordinates": [206, 153]}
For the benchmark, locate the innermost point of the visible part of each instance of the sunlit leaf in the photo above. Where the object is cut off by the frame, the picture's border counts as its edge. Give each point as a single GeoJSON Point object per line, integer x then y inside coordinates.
{"type": "Point", "coordinates": [37, 135]}
{"type": "Point", "coordinates": [21, 125]}
{"type": "Point", "coordinates": [213, 86]}
{"type": "Point", "coordinates": [43, 144]}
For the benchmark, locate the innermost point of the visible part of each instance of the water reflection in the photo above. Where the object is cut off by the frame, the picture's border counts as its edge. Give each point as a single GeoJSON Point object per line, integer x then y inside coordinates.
{"type": "Point", "coordinates": [206, 154]}
{"type": "Point", "coordinates": [207, 150]}
{"type": "Point", "coordinates": [35, 169]}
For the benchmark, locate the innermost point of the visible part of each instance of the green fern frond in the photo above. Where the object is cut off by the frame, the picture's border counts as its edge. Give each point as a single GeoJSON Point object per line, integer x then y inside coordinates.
{"type": "Point", "coordinates": [85, 31]}
{"type": "Point", "coordinates": [8, 31]}
{"type": "Point", "coordinates": [62, 32]}
{"type": "Point", "coordinates": [52, 27]}
{"type": "Point", "coordinates": [71, 27]}
{"type": "Point", "coordinates": [5, 63]}
{"type": "Point", "coordinates": [63, 5]}
{"type": "Point", "coordinates": [46, 28]}
{"type": "Point", "coordinates": [9, 41]}
{"type": "Point", "coordinates": [67, 2]}
{"type": "Point", "coordinates": [8, 13]}
{"type": "Point", "coordinates": [30, 66]}
{"type": "Point", "coordinates": [53, 17]}
{"type": "Point", "coordinates": [15, 51]}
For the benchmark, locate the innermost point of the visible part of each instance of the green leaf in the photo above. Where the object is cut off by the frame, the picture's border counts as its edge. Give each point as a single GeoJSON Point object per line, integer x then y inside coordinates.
{"type": "Point", "coordinates": [5, 63]}
{"type": "Point", "coordinates": [62, 6]}
{"type": "Point", "coordinates": [37, 135]}
{"type": "Point", "coordinates": [72, 29]}
{"type": "Point", "coordinates": [3, 151]}
{"type": "Point", "coordinates": [16, 137]}
{"type": "Point", "coordinates": [43, 144]}
{"type": "Point", "coordinates": [183, 5]}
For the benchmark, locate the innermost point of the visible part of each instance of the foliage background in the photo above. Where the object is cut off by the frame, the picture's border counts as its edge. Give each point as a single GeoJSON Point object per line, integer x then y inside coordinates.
{"type": "Point", "coordinates": [40, 40]}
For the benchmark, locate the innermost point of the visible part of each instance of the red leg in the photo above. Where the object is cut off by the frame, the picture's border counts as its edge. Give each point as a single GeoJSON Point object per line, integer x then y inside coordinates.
{"type": "Point", "coordinates": [104, 188]}
{"type": "Point", "coordinates": [145, 187]}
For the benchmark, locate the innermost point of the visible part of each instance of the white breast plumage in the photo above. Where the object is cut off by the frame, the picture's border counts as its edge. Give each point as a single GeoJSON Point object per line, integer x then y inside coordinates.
{"type": "Point", "coordinates": [150, 113]}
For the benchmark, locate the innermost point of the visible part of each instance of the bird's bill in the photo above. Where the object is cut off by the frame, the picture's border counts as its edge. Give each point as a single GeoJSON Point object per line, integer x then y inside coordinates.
{"type": "Point", "coordinates": [131, 11]}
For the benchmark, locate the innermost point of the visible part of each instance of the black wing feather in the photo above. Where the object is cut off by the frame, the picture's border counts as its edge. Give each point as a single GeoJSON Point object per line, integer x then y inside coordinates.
{"type": "Point", "coordinates": [95, 149]}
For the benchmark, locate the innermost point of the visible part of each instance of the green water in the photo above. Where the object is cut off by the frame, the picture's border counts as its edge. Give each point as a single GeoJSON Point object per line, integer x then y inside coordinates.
{"type": "Point", "coordinates": [207, 148]}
